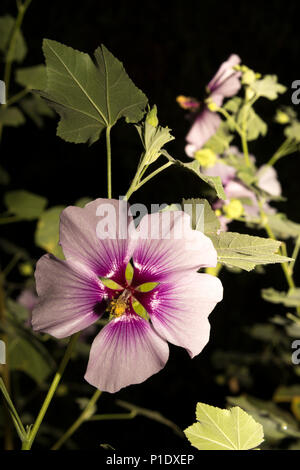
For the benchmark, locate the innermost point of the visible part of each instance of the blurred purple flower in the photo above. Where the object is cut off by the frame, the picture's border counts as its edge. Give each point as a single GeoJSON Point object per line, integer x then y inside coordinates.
{"type": "Point", "coordinates": [224, 84]}
{"type": "Point", "coordinates": [72, 296]}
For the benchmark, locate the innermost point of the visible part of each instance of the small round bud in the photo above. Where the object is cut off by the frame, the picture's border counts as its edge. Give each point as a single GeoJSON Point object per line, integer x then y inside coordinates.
{"type": "Point", "coordinates": [234, 209]}
{"type": "Point", "coordinates": [281, 117]}
{"type": "Point", "coordinates": [25, 269]}
{"type": "Point", "coordinates": [212, 106]}
{"type": "Point", "coordinates": [206, 157]}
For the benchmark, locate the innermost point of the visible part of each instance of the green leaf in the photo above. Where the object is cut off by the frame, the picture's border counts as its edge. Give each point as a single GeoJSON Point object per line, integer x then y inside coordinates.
{"type": "Point", "coordinates": [282, 227]}
{"type": "Point", "coordinates": [293, 131]}
{"type": "Point", "coordinates": [29, 356]}
{"type": "Point", "coordinates": [153, 137]}
{"type": "Point", "coordinates": [268, 87]}
{"type": "Point", "coordinates": [194, 166]}
{"type": "Point", "coordinates": [11, 116]}
{"type": "Point", "coordinates": [277, 423]}
{"type": "Point", "coordinates": [23, 204]}
{"type": "Point", "coordinates": [87, 96]}
{"type": "Point", "coordinates": [32, 77]}
{"type": "Point", "coordinates": [244, 251]}
{"type": "Point", "coordinates": [233, 105]}
{"type": "Point", "coordinates": [202, 218]}
{"type": "Point", "coordinates": [47, 231]}
{"type": "Point", "coordinates": [220, 141]}
{"type": "Point", "coordinates": [19, 52]}
{"type": "Point", "coordinates": [289, 299]}
{"type": "Point", "coordinates": [219, 429]}
{"type": "Point", "coordinates": [83, 201]}
{"type": "Point", "coordinates": [254, 124]}
{"type": "Point", "coordinates": [36, 109]}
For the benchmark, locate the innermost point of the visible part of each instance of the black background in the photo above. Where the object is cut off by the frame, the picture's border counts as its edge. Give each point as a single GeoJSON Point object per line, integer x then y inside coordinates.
{"type": "Point", "coordinates": [167, 49]}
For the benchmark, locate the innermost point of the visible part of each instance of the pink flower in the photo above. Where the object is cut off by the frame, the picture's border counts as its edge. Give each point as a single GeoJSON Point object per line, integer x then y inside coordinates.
{"type": "Point", "coordinates": [224, 84]}
{"type": "Point", "coordinates": [74, 295]}
{"type": "Point", "coordinates": [268, 180]}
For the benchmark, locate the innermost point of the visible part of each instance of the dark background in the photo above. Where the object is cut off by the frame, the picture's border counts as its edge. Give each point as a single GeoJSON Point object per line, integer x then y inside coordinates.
{"type": "Point", "coordinates": [167, 49]}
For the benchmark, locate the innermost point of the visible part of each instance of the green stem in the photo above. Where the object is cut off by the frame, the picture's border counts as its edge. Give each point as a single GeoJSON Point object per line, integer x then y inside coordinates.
{"type": "Point", "coordinates": [28, 443]}
{"type": "Point", "coordinates": [21, 12]}
{"type": "Point", "coordinates": [245, 148]}
{"type": "Point", "coordinates": [18, 96]}
{"type": "Point", "coordinates": [154, 173]}
{"type": "Point", "coordinates": [22, 7]}
{"type": "Point", "coordinates": [106, 417]}
{"type": "Point", "coordinates": [284, 266]}
{"type": "Point", "coordinates": [294, 255]}
{"type": "Point", "coordinates": [12, 411]}
{"type": "Point", "coordinates": [286, 148]}
{"type": "Point", "coordinates": [137, 184]}
{"type": "Point", "coordinates": [85, 416]}
{"type": "Point", "coordinates": [9, 220]}
{"type": "Point", "coordinates": [108, 152]}
{"type": "Point", "coordinates": [4, 369]}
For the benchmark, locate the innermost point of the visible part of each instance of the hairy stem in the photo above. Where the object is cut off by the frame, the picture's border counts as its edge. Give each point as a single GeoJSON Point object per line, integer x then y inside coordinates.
{"type": "Point", "coordinates": [108, 153]}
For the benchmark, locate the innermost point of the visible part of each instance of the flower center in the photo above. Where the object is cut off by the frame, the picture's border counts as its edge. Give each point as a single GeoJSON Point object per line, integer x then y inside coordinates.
{"type": "Point", "coordinates": [117, 306]}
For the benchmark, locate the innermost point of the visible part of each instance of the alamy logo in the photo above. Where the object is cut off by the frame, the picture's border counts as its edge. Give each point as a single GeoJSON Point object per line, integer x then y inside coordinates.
{"type": "Point", "coordinates": [2, 352]}
{"type": "Point", "coordinates": [2, 92]}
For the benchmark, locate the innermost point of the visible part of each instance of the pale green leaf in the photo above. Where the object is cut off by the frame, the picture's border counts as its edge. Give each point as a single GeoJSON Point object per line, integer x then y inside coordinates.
{"type": "Point", "coordinates": [293, 131]}
{"type": "Point", "coordinates": [289, 299]}
{"type": "Point", "coordinates": [282, 227]}
{"type": "Point", "coordinates": [255, 126]}
{"type": "Point", "coordinates": [214, 181]}
{"type": "Point", "coordinates": [11, 116]}
{"type": "Point", "coordinates": [47, 231]}
{"type": "Point", "coordinates": [233, 105]}
{"type": "Point", "coordinates": [277, 423]}
{"type": "Point", "coordinates": [19, 51]}
{"type": "Point", "coordinates": [32, 77]}
{"type": "Point", "coordinates": [23, 204]}
{"type": "Point", "coordinates": [268, 87]}
{"type": "Point", "coordinates": [29, 356]}
{"type": "Point", "coordinates": [87, 96]}
{"type": "Point", "coordinates": [36, 109]}
{"type": "Point", "coordinates": [203, 217]}
{"type": "Point", "coordinates": [220, 141]}
{"type": "Point", "coordinates": [219, 429]}
{"type": "Point", "coordinates": [245, 251]}
{"type": "Point", "coordinates": [154, 138]}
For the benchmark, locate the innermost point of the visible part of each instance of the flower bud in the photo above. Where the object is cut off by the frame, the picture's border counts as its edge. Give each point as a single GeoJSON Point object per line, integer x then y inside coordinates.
{"type": "Point", "coordinates": [206, 157]}
{"type": "Point", "coordinates": [281, 117]}
{"type": "Point", "coordinates": [234, 209]}
{"type": "Point", "coordinates": [152, 117]}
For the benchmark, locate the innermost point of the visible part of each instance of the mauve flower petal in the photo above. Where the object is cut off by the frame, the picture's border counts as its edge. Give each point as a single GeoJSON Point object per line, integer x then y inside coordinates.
{"type": "Point", "coordinates": [179, 309]}
{"type": "Point", "coordinates": [70, 297]}
{"type": "Point", "coordinates": [203, 128]}
{"type": "Point", "coordinates": [226, 81]}
{"type": "Point", "coordinates": [106, 257]}
{"type": "Point", "coordinates": [167, 245]}
{"type": "Point", "coordinates": [235, 190]}
{"type": "Point", "coordinates": [28, 298]}
{"type": "Point", "coordinates": [126, 351]}
{"type": "Point", "coordinates": [226, 172]}
{"type": "Point", "coordinates": [268, 180]}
